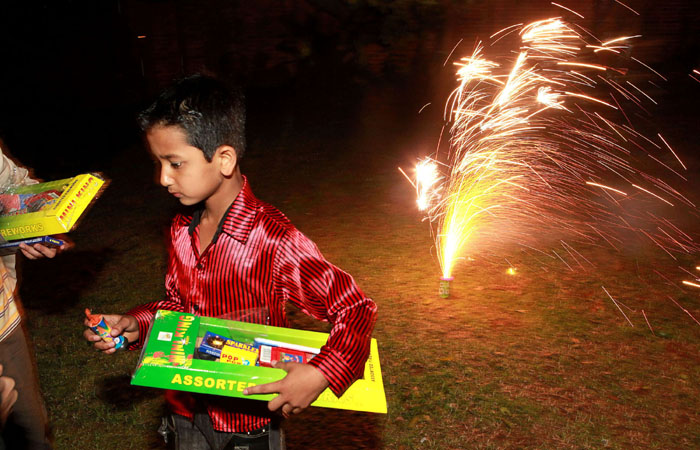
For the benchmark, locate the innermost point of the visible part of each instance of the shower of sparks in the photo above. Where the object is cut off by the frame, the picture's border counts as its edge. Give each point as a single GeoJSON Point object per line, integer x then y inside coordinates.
{"type": "Point", "coordinates": [426, 179]}
{"type": "Point", "coordinates": [541, 148]}
{"type": "Point", "coordinates": [618, 306]}
{"type": "Point", "coordinates": [695, 75]}
{"type": "Point", "coordinates": [648, 324]}
{"type": "Point", "coordinates": [567, 9]}
{"type": "Point", "coordinates": [620, 3]}
{"type": "Point", "coordinates": [685, 310]}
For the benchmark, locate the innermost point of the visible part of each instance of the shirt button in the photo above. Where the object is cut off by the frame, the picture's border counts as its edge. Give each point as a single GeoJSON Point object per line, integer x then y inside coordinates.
{"type": "Point", "coordinates": [196, 308]}
{"type": "Point", "coordinates": [200, 266]}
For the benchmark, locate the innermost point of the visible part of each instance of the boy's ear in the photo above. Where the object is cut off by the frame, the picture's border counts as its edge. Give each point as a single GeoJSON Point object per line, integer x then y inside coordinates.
{"type": "Point", "coordinates": [227, 159]}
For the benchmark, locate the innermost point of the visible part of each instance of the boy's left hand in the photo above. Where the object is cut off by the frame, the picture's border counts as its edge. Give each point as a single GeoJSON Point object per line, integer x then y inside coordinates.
{"type": "Point", "coordinates": [302, 385]}
{"type": "Point", "coordinates": [37, 251]}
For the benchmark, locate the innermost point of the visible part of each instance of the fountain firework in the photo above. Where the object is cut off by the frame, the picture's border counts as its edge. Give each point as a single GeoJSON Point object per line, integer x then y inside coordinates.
{"type": "Point", "coordinates": [541, 146]}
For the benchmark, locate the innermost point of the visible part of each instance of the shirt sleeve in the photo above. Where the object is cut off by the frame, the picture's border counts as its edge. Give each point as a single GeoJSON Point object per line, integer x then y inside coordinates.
{"type": "Point", "coordinates": [327, 293]}
{"type": "Point", "coordinates": [12, 175]}
{"type": "Point", "coordinates": [173, 302]}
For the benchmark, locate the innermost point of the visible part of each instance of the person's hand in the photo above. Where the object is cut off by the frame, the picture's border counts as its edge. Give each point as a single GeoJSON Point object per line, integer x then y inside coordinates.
{"type": "Point", "coordinates": [302, 385]}
{"type": "Point", "coordinates": [121, 325]}
{"type": "Point", "coordinates": [8, 397]}
{"type": "Point", "coordinates": [38, 251]}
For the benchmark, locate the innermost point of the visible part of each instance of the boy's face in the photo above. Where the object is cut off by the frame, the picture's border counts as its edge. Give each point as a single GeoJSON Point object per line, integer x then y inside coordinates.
{"type": "Point", "coordinates": [183, 168]}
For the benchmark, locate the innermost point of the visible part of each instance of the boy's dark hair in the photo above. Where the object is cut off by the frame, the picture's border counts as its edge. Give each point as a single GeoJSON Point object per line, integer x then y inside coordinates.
{"type": "Point", "coordinates": [207, 111]}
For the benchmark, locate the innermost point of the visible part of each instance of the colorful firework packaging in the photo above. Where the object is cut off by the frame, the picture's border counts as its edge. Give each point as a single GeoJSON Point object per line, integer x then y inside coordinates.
{"type": "Point", "coordinates": [44, 209]}
{"type": "Point", "coordinates": [215, 347]}
{"type": "Point", "coordinates": [102, 328]}
{"type": "Point", "coordinates": [13, 204]}
{"type": "Point", "coordinates": [222, 357]}
{"type": "Point", "coordinates": [12, 246]}
{"type": "Point", "coordinates": [228, 350]}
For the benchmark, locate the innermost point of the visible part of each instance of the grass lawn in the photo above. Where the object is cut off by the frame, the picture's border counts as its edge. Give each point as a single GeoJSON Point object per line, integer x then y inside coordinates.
{"type": "Point", "coordinates": [540, 359]}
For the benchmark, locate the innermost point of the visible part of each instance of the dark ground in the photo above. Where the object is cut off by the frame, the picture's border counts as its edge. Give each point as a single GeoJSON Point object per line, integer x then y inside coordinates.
{"type": "Point", "coordinates": [310, 154]}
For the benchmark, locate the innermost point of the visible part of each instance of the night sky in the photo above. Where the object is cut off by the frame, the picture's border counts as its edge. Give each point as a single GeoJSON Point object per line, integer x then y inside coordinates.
{"type": "Point", "coordinates": [75, 72]}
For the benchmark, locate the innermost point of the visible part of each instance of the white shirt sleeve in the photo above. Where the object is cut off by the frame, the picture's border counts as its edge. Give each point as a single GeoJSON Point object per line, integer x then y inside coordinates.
{"type": "Point", "coordinates": [11, 175]}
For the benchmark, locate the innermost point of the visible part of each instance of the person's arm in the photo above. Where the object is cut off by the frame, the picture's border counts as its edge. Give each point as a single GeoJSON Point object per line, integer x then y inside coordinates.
{"type": "Point", "coordinates": [134, 324]}
{"type": "Point", "coordinates": [173, 302]}
{"type": "Point", "coordinates": [325, 292]}
{"type": "Point", "coordinates": [8, 397]}
{"type": "Point", "coordinates": [12, 175]}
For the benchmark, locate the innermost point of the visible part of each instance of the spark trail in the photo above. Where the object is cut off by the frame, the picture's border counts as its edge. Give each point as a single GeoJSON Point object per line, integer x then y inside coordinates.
{"type": "Point", "coordinates": [541, 149]}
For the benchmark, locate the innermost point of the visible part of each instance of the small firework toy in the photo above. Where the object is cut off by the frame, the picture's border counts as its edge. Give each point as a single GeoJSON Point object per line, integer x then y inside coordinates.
{"type": "Point", "coordinates": [101, 328]}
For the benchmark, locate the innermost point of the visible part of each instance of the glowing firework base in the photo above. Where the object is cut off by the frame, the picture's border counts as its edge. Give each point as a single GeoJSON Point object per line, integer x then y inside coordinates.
{"type": "Point", "coordinates": [167, 361]}
{"type": "Point", "coordinates": [445, 286]}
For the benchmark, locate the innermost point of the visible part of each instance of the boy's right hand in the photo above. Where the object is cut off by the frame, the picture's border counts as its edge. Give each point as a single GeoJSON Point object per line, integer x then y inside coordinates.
{"type": "Point", "coordinates": [121, 325]}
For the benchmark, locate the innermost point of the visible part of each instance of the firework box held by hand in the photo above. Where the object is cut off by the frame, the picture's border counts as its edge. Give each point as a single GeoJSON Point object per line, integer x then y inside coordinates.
{"type": "Point", "coordinates": [44, 209]}
{"type": "Point", "coordinates": [169, 361]}
{"type": "Point", "coordinates": [12, 246]}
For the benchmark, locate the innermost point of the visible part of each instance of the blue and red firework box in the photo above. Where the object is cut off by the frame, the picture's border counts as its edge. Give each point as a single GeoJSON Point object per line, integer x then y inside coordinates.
{"type": "Point", "coordinates": [270, 354]}
{"type": "Point", "coordinates": [228, 350]}
{"type": "Point", "coordinates": [255, 353]}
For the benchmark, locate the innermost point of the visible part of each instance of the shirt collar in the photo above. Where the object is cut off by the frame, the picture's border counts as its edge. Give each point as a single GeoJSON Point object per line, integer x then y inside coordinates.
{"type": "Point", "coordinates": [239, 218]}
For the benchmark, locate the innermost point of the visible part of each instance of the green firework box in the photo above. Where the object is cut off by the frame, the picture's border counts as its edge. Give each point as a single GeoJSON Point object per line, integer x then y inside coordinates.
{"type": "Point", "coordinates": [44, 209]}
{"type": "Point", "coordinates": [168, 361]}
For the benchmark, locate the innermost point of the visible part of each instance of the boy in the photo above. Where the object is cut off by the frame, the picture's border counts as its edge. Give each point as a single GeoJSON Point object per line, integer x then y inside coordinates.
{"type": "Point", "coordinates": [233, 256]}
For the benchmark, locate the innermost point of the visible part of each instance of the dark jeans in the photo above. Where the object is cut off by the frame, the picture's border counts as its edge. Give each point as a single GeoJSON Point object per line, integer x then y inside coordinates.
{"type": "Point", "coordinates": [27, 425]}
{"type": "Point", "coordinates": [200, 435]}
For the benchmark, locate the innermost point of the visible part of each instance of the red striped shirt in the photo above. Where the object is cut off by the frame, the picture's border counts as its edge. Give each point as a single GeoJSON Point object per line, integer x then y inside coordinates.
{"type": "Point", "coordinates": [256, 262]}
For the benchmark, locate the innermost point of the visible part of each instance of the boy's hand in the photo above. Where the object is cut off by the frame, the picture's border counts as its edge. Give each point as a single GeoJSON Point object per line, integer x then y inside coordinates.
{"type": "Point", "coordinates": [38, 251]}
{"type": "Point", "coordinates": [302, 385]}
{"type": "Point", "coordinates": [120, 324]}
